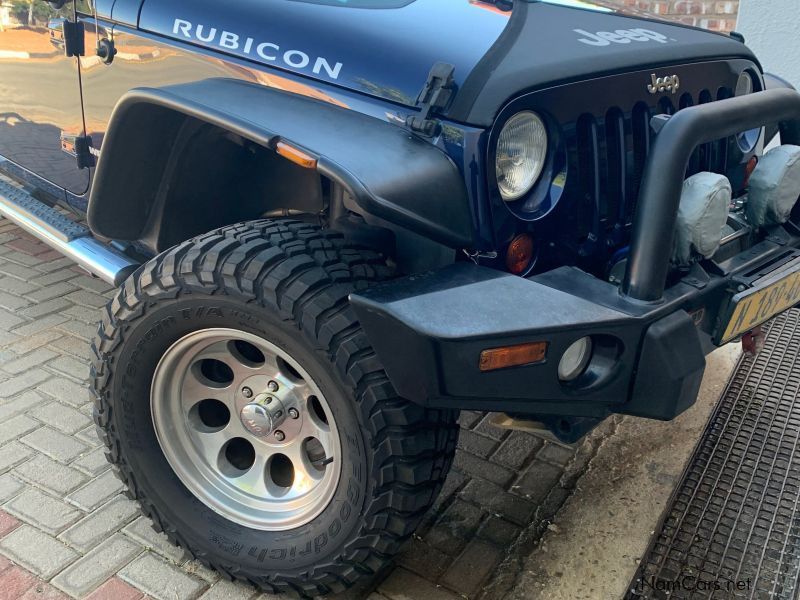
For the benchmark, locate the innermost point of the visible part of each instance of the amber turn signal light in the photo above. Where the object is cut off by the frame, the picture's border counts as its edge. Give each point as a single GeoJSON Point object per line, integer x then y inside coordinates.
{"type": "Point", "coordinates": [296, 155]}
{"type": "Point", "coordinates": [749, 169]}
{"type": "Point", "coordinates": [519, 254]}
{"type": "Point", "coordinates": [513, 356]}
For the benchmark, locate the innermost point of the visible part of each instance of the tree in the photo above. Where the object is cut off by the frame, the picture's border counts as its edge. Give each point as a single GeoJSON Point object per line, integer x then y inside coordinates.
{"type": "Point", "coordinates": [31, 12]}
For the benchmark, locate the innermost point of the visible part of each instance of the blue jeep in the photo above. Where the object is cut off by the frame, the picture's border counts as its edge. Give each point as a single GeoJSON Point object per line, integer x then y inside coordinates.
{"type": "Point", "coordinates": [335, 223]}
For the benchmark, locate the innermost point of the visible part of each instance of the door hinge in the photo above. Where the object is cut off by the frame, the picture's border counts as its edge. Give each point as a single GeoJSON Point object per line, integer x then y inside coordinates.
{"type": "Point", "coordinates": [79, 146]}
{"type": "Point", "coordinates": [74, 38]}
{"type": "Point", "coordinates": [68, 35]}
{"type": "Point", "coordinates": [435, 96]}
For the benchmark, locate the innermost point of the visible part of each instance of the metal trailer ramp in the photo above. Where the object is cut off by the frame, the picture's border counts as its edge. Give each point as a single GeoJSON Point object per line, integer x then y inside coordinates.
{"type": "Point", "coordinates": [732, 527]}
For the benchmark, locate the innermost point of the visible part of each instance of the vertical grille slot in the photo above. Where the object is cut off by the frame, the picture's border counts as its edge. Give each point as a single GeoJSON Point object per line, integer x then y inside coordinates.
{"type": "Point", "coordinates": [641, 143]}
{"type": "Point", "coordinates": [588, 142]}
{"type": "Point", "coordinates": [704, 151]}
{"type": "Point", "coordinates": [617, 167]}
{"type": "Point", "coordinates": [666, 107]}
{"type": "Point", "coordinates": [719, 160]}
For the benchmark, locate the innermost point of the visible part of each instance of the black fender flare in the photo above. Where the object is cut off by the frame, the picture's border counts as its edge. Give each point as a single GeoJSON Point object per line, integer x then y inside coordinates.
{"type": "Point", "coordinates": [390, 173]}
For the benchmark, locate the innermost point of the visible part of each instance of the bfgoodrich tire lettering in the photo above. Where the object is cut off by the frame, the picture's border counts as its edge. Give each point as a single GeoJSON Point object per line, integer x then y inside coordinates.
{"type": "Point", "coordinates": [287, 282]}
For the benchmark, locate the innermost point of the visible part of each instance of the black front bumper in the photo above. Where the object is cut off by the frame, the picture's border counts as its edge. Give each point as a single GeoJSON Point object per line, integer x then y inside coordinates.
{"type": "Point", "coordinates": [650, 341]}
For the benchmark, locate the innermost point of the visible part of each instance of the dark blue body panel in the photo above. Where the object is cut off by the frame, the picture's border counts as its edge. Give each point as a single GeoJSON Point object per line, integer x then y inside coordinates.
{"type": "Point", "coordinates": [374, 61]}
{"type": "Point", "coordinates": [382, 52]}
{"type": "Point", "coordinates": [338, 84]}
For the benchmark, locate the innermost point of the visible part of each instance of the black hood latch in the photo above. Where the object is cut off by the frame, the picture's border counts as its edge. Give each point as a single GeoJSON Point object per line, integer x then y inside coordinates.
{"type": "Point", "coordinates": [435, 96]}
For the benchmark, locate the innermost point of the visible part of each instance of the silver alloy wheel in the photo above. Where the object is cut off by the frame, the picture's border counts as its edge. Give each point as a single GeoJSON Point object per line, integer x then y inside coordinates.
{"type": "Point", "coordinates": [246, 429]}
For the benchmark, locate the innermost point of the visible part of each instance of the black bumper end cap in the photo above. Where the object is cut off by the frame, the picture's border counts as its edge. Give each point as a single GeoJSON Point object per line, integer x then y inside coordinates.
{"type": "Point", "coordinates": [670, 369]}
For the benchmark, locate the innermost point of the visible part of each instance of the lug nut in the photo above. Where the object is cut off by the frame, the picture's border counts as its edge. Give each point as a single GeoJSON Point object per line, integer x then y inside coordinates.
{"type": "Point", "coordinates": [293, 413]}
{"type": "Point", "coordinates": [247, 392]}
{"type": "Point", "coordinates": [273, 386]}
{"type": "Point", "coordinates": [280, 436]}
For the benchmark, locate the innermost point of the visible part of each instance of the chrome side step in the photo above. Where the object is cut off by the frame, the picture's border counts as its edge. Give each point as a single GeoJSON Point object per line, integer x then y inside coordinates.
{"type": "Point", "coordinates": [71, 239]}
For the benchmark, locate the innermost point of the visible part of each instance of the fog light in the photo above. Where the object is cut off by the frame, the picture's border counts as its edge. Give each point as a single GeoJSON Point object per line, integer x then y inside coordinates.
{"type": "Point", "coordinates": [575, 360]}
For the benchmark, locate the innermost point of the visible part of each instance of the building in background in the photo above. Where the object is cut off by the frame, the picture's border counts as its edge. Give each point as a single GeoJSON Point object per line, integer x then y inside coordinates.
{"type": "Point", "coordinates": [5, 14]}
{"type": "Point", "coordinates": [771, 28]}
{"type": "Point", "coordinates": [717, 15]}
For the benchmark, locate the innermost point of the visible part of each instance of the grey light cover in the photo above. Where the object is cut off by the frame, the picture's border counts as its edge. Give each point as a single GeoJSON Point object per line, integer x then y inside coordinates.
{"type": "Point", "coordinates": [774, 187]}
{"type": "Point", "coordinates": [702, 215]}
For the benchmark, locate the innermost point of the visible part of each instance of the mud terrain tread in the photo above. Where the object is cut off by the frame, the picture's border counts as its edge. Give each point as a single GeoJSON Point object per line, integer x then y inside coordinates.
{"type": "Point", "coordinates": [311, 272]}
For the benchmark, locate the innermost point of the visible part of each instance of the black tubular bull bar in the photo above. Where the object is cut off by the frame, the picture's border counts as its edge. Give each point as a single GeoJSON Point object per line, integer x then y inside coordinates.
{"type": "Point", "coordinates": [662, 184]}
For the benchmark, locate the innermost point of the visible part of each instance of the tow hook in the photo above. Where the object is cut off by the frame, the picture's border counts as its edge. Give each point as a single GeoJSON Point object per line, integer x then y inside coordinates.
{"type": "Point", "coordinates": [753, 341]}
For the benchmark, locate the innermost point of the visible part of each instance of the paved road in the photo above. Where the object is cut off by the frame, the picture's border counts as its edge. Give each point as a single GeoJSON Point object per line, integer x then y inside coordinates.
{"type": "Point", "coordinates": [67, 531]}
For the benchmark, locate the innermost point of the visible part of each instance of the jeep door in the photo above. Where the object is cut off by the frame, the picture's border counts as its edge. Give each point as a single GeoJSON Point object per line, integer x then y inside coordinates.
{"type": "Point", "coordinates": [40, 98]}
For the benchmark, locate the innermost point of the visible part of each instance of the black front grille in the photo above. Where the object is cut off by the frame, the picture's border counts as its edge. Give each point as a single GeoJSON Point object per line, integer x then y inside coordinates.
{"type": "Point", "coordinates": [601, 148]}
{"type": "Point", "coordinates": [611, 152]}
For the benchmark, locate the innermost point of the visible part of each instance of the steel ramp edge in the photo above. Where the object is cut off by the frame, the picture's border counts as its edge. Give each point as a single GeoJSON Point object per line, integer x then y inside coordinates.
{"type": "Point", "coordinates": [732, 526]}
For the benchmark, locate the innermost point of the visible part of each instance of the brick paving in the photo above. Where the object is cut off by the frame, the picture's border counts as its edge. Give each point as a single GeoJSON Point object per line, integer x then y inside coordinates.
{"type": "Point", "coordinates": [66, 531]}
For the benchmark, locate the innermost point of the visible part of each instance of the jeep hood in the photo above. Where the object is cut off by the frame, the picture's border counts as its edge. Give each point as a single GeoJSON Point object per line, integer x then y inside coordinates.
{"type": "Point", "coordinates": [386, 48]}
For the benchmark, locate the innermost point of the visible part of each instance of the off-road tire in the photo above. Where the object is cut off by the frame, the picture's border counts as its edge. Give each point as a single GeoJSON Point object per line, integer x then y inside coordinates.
{"type": "Point", "coordinates": [292, 277]}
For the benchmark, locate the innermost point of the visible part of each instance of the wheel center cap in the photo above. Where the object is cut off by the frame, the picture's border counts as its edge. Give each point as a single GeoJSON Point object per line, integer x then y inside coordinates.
{"type": "Point", "coordinates": [263, 415]}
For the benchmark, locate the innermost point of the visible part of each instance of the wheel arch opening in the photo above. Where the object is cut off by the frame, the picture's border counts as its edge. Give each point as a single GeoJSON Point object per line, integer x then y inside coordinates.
{"type": "Point", "coordinates": [169, 176]}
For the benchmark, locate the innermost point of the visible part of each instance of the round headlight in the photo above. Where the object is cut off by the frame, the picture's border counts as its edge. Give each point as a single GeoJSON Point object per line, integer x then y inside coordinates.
{"type": "Point", "coordinates": [745, 84]}
{"type": "Point", "coordinates": [521, 154]}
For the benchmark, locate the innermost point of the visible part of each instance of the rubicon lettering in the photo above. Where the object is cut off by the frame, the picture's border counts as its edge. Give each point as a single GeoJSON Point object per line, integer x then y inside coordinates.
{"type": "Point", "coordinates": [227, 40]}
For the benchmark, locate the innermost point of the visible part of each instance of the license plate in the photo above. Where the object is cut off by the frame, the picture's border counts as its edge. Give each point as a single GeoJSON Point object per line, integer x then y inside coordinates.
{"type": "Point", "coordinates": [757, 306]}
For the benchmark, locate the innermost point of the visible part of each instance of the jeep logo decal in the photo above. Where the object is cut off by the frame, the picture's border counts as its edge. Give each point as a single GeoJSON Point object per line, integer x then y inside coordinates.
{"type": "Point", "coordinates": [659, 85]}
{"type": "Point", "coordinates": [621, 36]}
